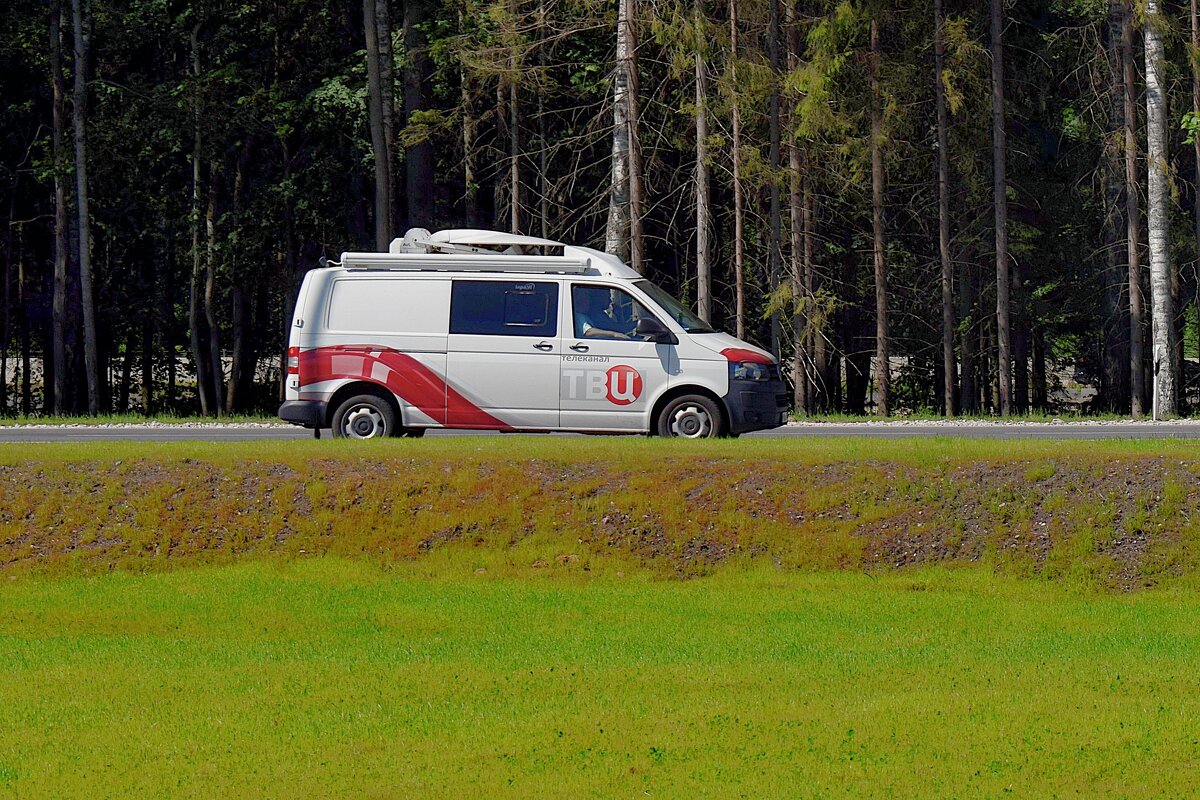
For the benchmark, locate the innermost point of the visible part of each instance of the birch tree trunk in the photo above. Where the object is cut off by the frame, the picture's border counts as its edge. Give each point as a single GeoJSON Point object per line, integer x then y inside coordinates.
{"type": "Point", "coordinates": [59, 311]}
{"type": "Point", "coordinates": [378, 125]}
{"type": "Point", "coordinates": [1133, 220]}
{"type": "Point", "coordinates": [703, 174]}
{"type": "Point", "coordinates": [1000, 199]}
{"type": "Point", "coordinates": [82, 15]}
{"type": "Point", "coordinates": [739, 246]}
{"type": "Point", "coordinates": [882, 367]}
{"type": "Point", "coordinates": [623, 234]}
{"type": "Point", "coordinates": [943, 179]}
{"type": "Point", "coordinates": [1162, 323]}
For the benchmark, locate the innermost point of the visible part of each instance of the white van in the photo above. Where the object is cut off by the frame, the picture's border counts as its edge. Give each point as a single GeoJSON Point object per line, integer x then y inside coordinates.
{"type": "Point", "coordinates": [487, 330]}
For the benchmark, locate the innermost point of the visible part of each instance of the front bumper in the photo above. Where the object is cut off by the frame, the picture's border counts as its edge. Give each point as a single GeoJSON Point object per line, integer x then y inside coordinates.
{"type": "Point", "coordinates": [756, 405]}
{"type": "Point", "coordinates": [309, 413]}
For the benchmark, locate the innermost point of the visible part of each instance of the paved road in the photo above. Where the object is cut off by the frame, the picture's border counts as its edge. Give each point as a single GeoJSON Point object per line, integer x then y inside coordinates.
{"type": "Point", "coordinates": [219, 433]}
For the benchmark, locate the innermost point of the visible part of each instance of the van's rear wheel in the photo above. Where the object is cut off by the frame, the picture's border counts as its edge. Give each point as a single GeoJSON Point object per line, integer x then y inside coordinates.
{"type": "Point", "coordinates": [690, 416]}
{"type": "Point", "coordinates": [364, 416]}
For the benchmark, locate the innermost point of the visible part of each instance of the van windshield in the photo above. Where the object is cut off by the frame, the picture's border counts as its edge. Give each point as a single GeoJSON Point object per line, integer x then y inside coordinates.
{"type": "Point", "coordinates": [690, 322]}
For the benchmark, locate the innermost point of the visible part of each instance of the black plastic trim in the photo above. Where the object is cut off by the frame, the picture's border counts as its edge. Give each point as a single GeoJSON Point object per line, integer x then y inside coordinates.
{"type": "Point", "coordinates": [756, 405]}
{"type": "Point", "coordinates": [309, 413]}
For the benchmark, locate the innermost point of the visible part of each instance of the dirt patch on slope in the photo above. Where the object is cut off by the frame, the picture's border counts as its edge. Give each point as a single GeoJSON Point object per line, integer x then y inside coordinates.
{"type": "Point", "coordinates": [1128, 522]}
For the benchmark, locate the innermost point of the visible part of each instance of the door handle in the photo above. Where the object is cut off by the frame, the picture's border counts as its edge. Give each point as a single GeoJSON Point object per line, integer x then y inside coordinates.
{"type": "Point", "coordinates": [580, 348]}
{"type": "Point", "coordinates": [544, 346]}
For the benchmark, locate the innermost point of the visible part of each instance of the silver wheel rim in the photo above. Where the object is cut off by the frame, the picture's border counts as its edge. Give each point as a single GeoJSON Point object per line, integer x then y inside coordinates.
{"type": "Point", "coordinates": [691, 421]}
{"type": "Point", "coordinates": [363, 422]}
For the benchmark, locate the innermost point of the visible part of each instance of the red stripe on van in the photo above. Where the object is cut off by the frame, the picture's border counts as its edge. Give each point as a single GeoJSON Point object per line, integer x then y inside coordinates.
{"type": "Point", "coordinates": [749, 356]}
{"type": "Point", "coordinates": [404, 376]}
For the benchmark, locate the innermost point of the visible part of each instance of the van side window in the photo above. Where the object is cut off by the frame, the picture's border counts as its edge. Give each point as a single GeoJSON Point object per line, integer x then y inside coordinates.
{"type": "Point", "coordinates": [602, 312]}
{"type": "Point", "coordinates": [504, 308]}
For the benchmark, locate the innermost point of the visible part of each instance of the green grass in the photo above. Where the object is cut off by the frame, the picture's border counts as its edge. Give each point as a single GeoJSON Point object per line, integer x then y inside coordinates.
{"type": "Point", "coordinates": [536, 617]}
{"type": "Point", "coordinates": [330, 678]}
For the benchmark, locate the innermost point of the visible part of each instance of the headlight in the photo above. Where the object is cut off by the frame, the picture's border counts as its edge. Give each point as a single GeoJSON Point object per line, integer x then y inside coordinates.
{"type": "Point", "coordinates": [749, 371]}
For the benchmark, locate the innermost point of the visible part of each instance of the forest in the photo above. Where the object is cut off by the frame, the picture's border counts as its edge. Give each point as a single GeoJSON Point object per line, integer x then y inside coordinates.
{"type": "Point", "coordinates": [940, 206]}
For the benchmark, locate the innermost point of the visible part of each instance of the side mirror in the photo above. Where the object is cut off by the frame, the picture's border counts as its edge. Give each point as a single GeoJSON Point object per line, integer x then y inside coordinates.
{"type": "Point", "coordinates": [652, 330]}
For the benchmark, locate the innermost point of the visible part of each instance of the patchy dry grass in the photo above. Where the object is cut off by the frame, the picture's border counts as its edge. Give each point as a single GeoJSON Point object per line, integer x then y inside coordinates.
{"type": "Point", "coordinates": [1104, 514]}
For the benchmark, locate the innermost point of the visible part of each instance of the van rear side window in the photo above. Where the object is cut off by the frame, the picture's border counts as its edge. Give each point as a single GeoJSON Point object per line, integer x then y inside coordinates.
{"type": "Point", "coordinates": [388, 305]}
{"type": "Point", "coordinates": [504, 308]}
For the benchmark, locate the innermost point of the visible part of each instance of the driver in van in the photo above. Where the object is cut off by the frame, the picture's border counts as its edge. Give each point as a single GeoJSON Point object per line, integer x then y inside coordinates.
{"type": "Point", "coordinates": [593, 319]}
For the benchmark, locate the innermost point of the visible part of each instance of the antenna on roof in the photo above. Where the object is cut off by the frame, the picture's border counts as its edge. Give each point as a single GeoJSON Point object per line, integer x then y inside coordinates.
{"type": "Point", "coordinates": [419, 240]}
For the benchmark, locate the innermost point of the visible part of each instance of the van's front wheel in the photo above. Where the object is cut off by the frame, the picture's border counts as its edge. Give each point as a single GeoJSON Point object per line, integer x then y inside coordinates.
{"type": "Point", "coordinates": [364, 416]}
{"type": "Point", "coordinates": [690, 416]}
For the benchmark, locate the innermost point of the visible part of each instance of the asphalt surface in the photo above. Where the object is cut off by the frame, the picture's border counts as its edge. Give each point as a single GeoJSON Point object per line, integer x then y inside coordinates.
{"type": "Point", "coordinates": [873, 430]}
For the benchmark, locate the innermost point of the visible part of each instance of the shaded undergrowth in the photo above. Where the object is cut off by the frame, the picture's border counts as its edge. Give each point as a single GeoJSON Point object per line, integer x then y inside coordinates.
{"type": "Point", "coordinates": [1104, 516]}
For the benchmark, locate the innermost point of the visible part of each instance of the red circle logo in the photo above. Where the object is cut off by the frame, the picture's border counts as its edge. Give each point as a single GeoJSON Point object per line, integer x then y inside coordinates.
{"type": "Point", "coordinates": [624, 384]}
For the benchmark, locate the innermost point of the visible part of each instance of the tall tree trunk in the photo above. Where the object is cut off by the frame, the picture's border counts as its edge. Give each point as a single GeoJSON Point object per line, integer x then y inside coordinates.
{"type": "Point", "coordinates": [1133, 219]}
{"type": "Point", "coordinates": [387, 105]}
{"type": "Point", "coordinates": [814, 339]}
{"type": "Point", "coordinates": [6, 336]}
{"type": "Point", "coordinates": [1195, 65]}
{"type": "Point", "coordinates": [466, 99]}
{"type": "Point", "coordinates": [943, 179]}
{"type": "Point", "coordinates": [1040, 394]}
{"type": "Point", "coordinates": [968, 387]}
{"type": "Point", "coordinates": [378, 125]}
{"type": "Point", "coordinates": [210, 295]}
{"type": "Point", "coordinates": [59, 313]}
{"type": "Point", "coordinates": [418, 157]}
{"type": "Point", "coordinates": [739, 245]}
{"type": "Point", "coordinates": [82, 14]}
{"type": "Point", "coordinates": [1020, 345]}
{"type": "Point", "coordinates": [882, 366]}
{"type": "Point", "coordinates": [26, 344]}
{"type": "Point", "coordinates": [239, 319]}
{"type": "Point", "coordinates": [703, 173]}
{"type": "Point", "coordinates": [146, 385]}
{"type": "Point", "coordinates": [514, 147]}
{"type": "Point", "coordinates": [194, 320]}
{"type": "Point", "coordinates": [1162, 326]}
{"type": "Point", "coordinates": [1000, 200]}
{"type": "Point", "coordinates": [775, 220]}
{"type": "Point", "coordinates": [543, 139]}
{"type": "Point", "coordinates": [1114, 392]}
{"type": "Point", "coordinates": [623, 233]}
{"type": "Point", "coordinates": [796, 199]}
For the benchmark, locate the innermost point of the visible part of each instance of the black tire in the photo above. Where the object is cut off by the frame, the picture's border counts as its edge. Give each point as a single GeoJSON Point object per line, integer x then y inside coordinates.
{"type": "Point", "coordinates": [690, 416]}
{"type": "Point", "coordinates": [364, 416]}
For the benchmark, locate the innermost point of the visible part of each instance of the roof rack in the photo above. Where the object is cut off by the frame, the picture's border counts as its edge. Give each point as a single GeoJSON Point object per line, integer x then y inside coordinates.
{"type": "Point", "coordinates": [469, 250]}
{"type": "Point", "coordinates": [464, 262]}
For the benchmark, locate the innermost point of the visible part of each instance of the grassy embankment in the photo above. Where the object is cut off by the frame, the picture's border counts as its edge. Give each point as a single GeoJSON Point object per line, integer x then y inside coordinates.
{"type": "Point", "coordinates": [502, 618]}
